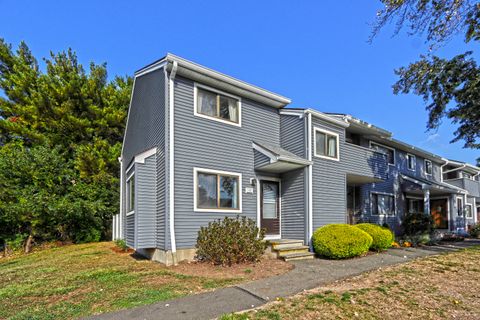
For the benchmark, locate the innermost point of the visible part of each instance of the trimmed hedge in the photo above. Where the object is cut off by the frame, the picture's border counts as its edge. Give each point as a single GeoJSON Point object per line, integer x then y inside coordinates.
{"type": "Point", "coordinates": [340, 241]}
{"type": "Point", "coordinates": [382, 237]}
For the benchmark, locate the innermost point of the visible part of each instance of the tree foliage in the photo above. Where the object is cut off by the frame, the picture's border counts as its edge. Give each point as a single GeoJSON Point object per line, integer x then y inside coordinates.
{"type": "Point", "coordinates": [61, 131]}
{"type": "Point", "coordinates": [450, 87]}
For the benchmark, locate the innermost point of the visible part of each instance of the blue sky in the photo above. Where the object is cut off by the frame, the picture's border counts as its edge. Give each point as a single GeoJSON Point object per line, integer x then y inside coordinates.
{"type": "Point", "coordinates": [314, 52]}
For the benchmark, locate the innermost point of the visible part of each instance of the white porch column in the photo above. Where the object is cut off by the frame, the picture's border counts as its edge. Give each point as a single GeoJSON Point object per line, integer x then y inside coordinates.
{"type": "Point", "coordinates": [426, 201]}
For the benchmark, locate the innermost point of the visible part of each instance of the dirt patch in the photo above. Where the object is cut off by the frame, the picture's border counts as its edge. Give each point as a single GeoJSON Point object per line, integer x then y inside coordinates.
{"type": "Point", "coordinates": [264, 268]}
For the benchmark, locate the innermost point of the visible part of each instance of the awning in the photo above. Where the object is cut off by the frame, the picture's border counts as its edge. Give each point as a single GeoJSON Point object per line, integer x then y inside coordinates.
{"type": "Point", "coordinates": [277, 160]}
{"type": "Point", "coordinates": [418, 185]}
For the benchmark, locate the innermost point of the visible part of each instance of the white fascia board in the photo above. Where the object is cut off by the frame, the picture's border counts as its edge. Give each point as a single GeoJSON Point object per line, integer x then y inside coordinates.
{"type": "Point", "coordinates": [323, 116]}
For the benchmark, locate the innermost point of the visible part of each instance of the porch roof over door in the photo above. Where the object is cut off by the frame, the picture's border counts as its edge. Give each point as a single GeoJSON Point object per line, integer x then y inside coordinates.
{"type": "Point", "coordinates": [278, 160]}
{"type": "Point", "coordinates": [414, 185]}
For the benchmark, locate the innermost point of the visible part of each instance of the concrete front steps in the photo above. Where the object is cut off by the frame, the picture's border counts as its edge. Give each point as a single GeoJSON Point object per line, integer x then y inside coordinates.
{"type": "Point", "coordinates": [290, 250]}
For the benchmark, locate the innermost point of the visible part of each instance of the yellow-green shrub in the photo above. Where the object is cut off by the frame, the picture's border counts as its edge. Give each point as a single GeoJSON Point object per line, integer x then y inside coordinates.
{"type": "Point", "coordinates": [340, 241]}
{"type": "Point", "coordinates": [382, 237]}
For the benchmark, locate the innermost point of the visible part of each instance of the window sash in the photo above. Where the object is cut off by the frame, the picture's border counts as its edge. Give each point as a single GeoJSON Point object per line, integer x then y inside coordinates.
{"type": "Point", "coordinates": [131, 194]}
{"type": "Point", "coordinates": [222, 196]}
{"type": "Point", "coordinates": [428, 167]}
{"type": "Point", "coordinates": [225, 108]}
{"type": "Point", "coordinates": [383, 204]}
{"type": "Point", "coordinates": [326, 145]}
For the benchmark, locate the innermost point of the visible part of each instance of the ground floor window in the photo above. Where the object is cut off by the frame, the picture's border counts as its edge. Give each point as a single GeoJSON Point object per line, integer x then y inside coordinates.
{"type": "Point", "coordinates": [383, 204]}
{"type": "Point", "coordinates": [415, 205]}
{"type": "Point", "coordinates": [468, 211]}
{"type": "Point", "coordinates": [459, 206]}
{"type": "Point", "coordinates": [217, 190]}
{"type": "Point", "coordinates": [131, 193]}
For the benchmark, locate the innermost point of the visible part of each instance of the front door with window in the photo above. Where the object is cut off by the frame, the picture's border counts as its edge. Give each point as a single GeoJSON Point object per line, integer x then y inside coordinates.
{"type": "Point", "coordinates": [439, 212]}
{"type": "Point", "coordinates": [270, 207]}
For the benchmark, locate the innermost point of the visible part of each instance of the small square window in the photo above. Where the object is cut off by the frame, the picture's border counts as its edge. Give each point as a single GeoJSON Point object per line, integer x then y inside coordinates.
{"type": "Point", "coordinates": [326, 144]}
{"type": "Point", "coordinates": [383, 204]}
{"type": "Point", "coordinates": [388, 152]}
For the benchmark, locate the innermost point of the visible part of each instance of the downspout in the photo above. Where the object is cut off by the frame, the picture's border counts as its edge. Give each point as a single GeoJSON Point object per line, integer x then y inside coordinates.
{"type": "Point", "coordinates": [120, 233]}
{"type": "Point", "coordinates": [441, 168]}
{"type": "Point", "coordinates": [171, 162]}
{"type": "Point", "coordinates": [310, 178]}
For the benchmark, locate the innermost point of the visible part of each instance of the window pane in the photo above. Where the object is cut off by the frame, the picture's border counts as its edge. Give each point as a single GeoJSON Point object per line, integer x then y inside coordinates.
{"type": "Point", "coordinates": [229, 192]}
{"type": "Point", "coordinates": [229, 109]}
{"type": "Point", "coordinates": [207, 190]}
{"type": "Point", "coordinates": [270, 194]}
{"type": "Point", "coordinates": [320, 143]}
{"type": "Point", "coordinates": [207, 103]}
{"type": "Point", "coordinates": [390, 156]}
{"type": "Point", "coordinates": [131, 194]}
{"type": "Point", "coordinates": [374, 204]}
{"type": "Point", "coordinates": [332, 146]}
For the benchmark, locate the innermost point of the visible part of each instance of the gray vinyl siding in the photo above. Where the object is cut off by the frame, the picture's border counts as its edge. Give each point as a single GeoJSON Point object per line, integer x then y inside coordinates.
{"type": "Point", "coordinates": [145, 130]}
{"type": "Point", "coordinates": [359, 160]}
{"type": "Point", "coordinates": [292, 134]}
{"type": "Point", "coordinates": [209, 144]}
{"type": "Point", "coordinates": [130, 230]}
{"type": "Point", "coordinates": [329, 184]}
{"type": "Point", "coordinates": [146, 203]}
{"type": "Point", "coordinates": [260, 159]}
{"type": "Point", "coordinates": [293, 205]}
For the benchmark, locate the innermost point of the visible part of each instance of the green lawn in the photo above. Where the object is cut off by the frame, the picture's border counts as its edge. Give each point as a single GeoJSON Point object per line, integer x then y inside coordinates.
{"type": "Point", "coordinates": [439, 287]}
{"type": "Point", "coordinates": [79, 280]}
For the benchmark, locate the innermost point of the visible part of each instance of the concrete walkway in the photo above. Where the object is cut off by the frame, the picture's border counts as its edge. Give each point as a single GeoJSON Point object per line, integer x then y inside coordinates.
{"type": "Point", "coordinates": [306, 275]}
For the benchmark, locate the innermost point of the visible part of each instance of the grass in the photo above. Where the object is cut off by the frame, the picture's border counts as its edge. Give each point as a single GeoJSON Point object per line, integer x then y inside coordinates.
{"type": "Point", "coordinates": [79, 280]}
{"type": "Point", "coordinates": [438, 287]}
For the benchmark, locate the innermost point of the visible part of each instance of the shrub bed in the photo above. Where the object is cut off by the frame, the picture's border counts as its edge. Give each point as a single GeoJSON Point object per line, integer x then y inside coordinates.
{"type": "Point", "coordinates": [382, 237]}
{"type": "Point", "coordinates": [340, 241]}
{"type": "Point", "coordinates": [229, 241]}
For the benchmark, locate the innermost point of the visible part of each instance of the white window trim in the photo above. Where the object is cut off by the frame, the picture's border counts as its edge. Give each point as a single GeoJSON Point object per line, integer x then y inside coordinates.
{"type": "Point", "coordinates": [456, 206]}
{"type": "Point", "coordinates": [201, 86]}
{"type": "Point", "coordinates": [195, 184]}
{"type": "Point", "coordinates": [132, 175]}
{"type": "Point", "coordinates": [315, 129]}
{"type": "Point", "coordinates": [384, 146]}
{"type": "Point", "coordinates": [385, 194]}
{"type": "Point", "coordinates": [471, 210]}
{"type": "Point", "coordinates": [260, 178]}
{"type": "Point", "coordinates": [414, 162]}
{"type": "Point", "coordinates": [425, 166]}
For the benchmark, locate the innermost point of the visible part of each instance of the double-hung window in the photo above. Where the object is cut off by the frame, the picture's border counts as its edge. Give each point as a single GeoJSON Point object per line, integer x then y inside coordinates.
{"type": "Point", "coordinates": [459, 206]}
{"type": "Point", "coordinates": [383, 204]}
{"type": "Point", "coordinates": [326, 144]}
{"type": "Point", "coordinates": [428, 167]}
{"type": "Point", "coordinates": [218, 106]}
{"type": "Point", "coordinates": [217, 190]}
{"type": "Point", "coordinates": [411, 162]}
{"type": "Point", "coordinates": [130, 194]}
{"type": "Point", "coordinates": [389, 152]}
{"type": "Point", "coordinates": [468, 211]}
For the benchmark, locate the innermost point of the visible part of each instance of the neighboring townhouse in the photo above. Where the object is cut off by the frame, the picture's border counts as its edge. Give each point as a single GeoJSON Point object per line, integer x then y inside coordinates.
{"type": "Point", "coordinates": [200, 145]}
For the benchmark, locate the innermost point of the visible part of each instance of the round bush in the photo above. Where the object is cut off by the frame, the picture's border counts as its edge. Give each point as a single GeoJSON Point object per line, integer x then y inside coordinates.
{"type": "Point", "coordinates": [382, 237]}
{"type": "Point", "coordinates": [340, 241]}
{"type": "Point", "coordinates": [229, 241]}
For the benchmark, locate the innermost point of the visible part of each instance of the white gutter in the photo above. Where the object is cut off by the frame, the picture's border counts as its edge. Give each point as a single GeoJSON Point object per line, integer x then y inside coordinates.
{"type": "Point", "coordinates": [171, 162]}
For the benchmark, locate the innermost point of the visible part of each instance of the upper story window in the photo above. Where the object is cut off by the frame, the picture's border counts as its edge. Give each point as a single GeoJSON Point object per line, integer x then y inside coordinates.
{"type": "Point", "coordinates": [216, 105]}
{"type": "Point", "coordinates": [130, 194]}
{"type": "Point", "coordinates": [326, 144]}
{"type": "Point", "coordinates": [428, 167]}
{"type": "Point", "coordinates": [389, 152]}
{"type": "Point", "coordinates": [411, 162]}
{"type": "Point", "coordinates": [217, 191]}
